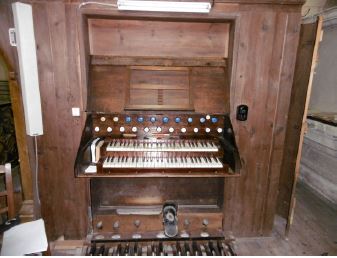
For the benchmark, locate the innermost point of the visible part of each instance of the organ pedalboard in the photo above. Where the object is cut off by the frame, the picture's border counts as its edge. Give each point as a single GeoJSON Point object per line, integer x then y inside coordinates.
{"type": "Point", "coordinates": [117, 145]}
{"type": "Point", "coordinates": [196, 247]}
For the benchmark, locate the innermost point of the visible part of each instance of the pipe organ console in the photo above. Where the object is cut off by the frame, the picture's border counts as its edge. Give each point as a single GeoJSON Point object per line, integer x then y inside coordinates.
{"type": "Point", "coordinates": [158, 139]}
{"type": "Point", "coordinates": [158, 146]}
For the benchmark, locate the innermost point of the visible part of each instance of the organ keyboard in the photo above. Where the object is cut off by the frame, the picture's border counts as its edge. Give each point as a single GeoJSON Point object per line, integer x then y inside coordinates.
{"type": "Point", "coordinates": [158, 145]}
{"type": "Point", "coordinates": [169, 145]}
{"type": "Point", "coordinates": [159, 162]}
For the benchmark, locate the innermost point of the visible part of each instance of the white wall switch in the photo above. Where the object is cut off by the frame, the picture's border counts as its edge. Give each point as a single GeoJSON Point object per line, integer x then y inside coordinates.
{"type": "Point", "coordinates": [75, 111]}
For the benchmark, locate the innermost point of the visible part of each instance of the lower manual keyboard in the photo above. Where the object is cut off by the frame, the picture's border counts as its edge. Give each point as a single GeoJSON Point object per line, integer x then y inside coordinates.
{"type": "Point", "coordinates": [170, 162]}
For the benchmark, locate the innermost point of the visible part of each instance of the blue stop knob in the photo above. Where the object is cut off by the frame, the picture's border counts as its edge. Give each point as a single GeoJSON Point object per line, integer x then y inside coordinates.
{"type": "Point", "coordinates": [128, 119]}
{"type": "Point", "coordinates": [165, 119]}
{"type": "Point", "coordinates": [214, 120]}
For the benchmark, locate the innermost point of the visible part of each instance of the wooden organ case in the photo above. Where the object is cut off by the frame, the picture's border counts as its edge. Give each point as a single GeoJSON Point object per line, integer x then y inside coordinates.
{"type": "Point", "coordinates": [158, 143]}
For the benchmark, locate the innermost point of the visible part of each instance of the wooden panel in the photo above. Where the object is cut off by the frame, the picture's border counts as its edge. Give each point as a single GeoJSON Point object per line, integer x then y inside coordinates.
{"type": "Point", "coordinates": [263, 82]}
{"type": "Point", "coordinates": [294, 125]}
{"type": "Point", "coordinates": [210, 90]}
{"type": "Point", "coordinates": [107, 91]}
{"type": "Point", "coordinates": [142, 192]}
{"type": "Point", "coordinates": [108, 86]}
{"type": "Point", "coordinates": [157, 38]}
{"type": "Point", "coordinates": [160, 88]}
{"type": "Point", "coordinates": [57, 51]}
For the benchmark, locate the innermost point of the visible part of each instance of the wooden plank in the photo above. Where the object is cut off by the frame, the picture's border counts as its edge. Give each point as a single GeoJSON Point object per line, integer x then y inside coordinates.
{"type": "Point", "coordinates": [283, 101]}
{"type": "Point", "coordinates": [165, 61]}
{"type": "Point", "coordinates": [142, 38]}
{"type": "Point", "coordinates": [304, 118]}
{"type": "Point", "coordinates": [296, 111]}
{"type": "Point", "coordinates": [21, 139]}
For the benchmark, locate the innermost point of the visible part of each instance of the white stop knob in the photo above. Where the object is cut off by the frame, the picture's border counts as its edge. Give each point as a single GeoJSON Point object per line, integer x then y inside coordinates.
{"type": "Point", "coordinates": [208, 117]}
{"type": "Point", "coordinates": [109, 129]}
{"type": "Point", "coordinates": [121, 129]}
{"type": "Point", "coordinates": [103, 119]}
{"type": "Point", "coordinates": [171, 129]}
{"type": "Point", "coordinates": [134, 129]}
{"type": "Point", "coordinates": [219, 130]}
{"type": "Point", "coordinates": [183, 130]}
{"type": "Point", "coordinates": [207, 130]}
{"type": "Point", "coordinates": [96, 129]}
{"type": "Point", "coordinates": [115, 119]}
{"type": "Point", "coordinates": [146, 129]}
{"type": "Point", "coordinates": [158, 129]}
{"type": "Point", "coordinates": [195, 130]}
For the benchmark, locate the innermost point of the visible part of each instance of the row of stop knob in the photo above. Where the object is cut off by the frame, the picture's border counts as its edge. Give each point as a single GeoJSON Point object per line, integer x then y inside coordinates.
{"type": "Point", "coordinates": [158, 129]}
{"type": "Point", "coordinates": [165, 119]}
{"type": "Point", "coordinates": [137, 223]}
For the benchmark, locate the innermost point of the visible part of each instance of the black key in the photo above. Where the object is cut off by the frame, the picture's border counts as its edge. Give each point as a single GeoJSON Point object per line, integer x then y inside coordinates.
{"type": "Point", "coordinates": [126, 250]}
{"type": "Point", "coordinates": [187, 249]}
{"type": "Point", "coordinates": [156, 250]}
{"type": "Point", "coordinates": [101, 250]}
{"type": "Point", "coordinates": [131, 250]}
{"type": "Point", "coordinates": [220, 247]}
{"type": "Point", "coordinates": [196, 249]}
{"type": "Point", "coordinates": [178, 247]}
{"type": "Point", "coordinates": [183, 251]}
{"type": "Point", "coordinates": [138, 249]}
{"type": "Point", "coordinates": [106, 251]}
{"type": "Point", "coordinates": [214, 248]}
{"type": "Point", "coordinates": [92, 249]}
{"type": "Point", "coordinates": [161, 249]}
{"type": "Point", "coordinates": [120, 250]}
{"type": "Point", "coordinates": [208, 251]}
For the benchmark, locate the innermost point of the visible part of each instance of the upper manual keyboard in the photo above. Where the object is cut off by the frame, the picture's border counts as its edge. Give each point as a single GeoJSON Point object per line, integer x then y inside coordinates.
{"type": "Point", "coordinates": [166, 146]}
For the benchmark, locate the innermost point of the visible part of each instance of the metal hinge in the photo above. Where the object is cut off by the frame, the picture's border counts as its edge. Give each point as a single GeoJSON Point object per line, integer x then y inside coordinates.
{"type": "Point", "coordinates": [12, 37]}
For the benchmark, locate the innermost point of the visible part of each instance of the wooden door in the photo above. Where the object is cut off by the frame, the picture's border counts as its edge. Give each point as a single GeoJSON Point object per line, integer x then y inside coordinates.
{"type": "Point", "coordinates": [305, 64]}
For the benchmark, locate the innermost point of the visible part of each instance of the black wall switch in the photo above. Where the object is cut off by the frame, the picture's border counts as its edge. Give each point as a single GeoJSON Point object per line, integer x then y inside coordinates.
{"type": "Point", "coordinates": [242, 112]}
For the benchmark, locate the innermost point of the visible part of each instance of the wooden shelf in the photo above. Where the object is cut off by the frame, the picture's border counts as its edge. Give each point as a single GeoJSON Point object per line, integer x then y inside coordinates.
{"type": "Point", "coordinates": [152, 172]}
{"type": "Point", "coordinates": [159, 61]}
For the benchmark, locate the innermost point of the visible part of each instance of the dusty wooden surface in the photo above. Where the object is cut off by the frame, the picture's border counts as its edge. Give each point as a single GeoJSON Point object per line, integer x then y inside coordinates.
{"type": "Point", "coordinates": [313, 231]}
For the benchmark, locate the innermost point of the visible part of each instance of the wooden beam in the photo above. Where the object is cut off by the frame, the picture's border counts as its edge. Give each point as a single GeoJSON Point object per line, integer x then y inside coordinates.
{"type": "Point", "coordinates": [20, 133]}
{"type": "Point", "coordinates": [157, 61]}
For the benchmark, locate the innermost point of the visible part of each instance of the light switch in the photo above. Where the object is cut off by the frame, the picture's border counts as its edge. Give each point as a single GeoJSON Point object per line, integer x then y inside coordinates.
{"type": "Point", "coordinates": [75, 111]}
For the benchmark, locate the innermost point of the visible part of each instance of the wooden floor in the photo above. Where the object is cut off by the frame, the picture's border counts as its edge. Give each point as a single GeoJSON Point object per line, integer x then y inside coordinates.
{"type": "Point", "coordinates": [314, 230]}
